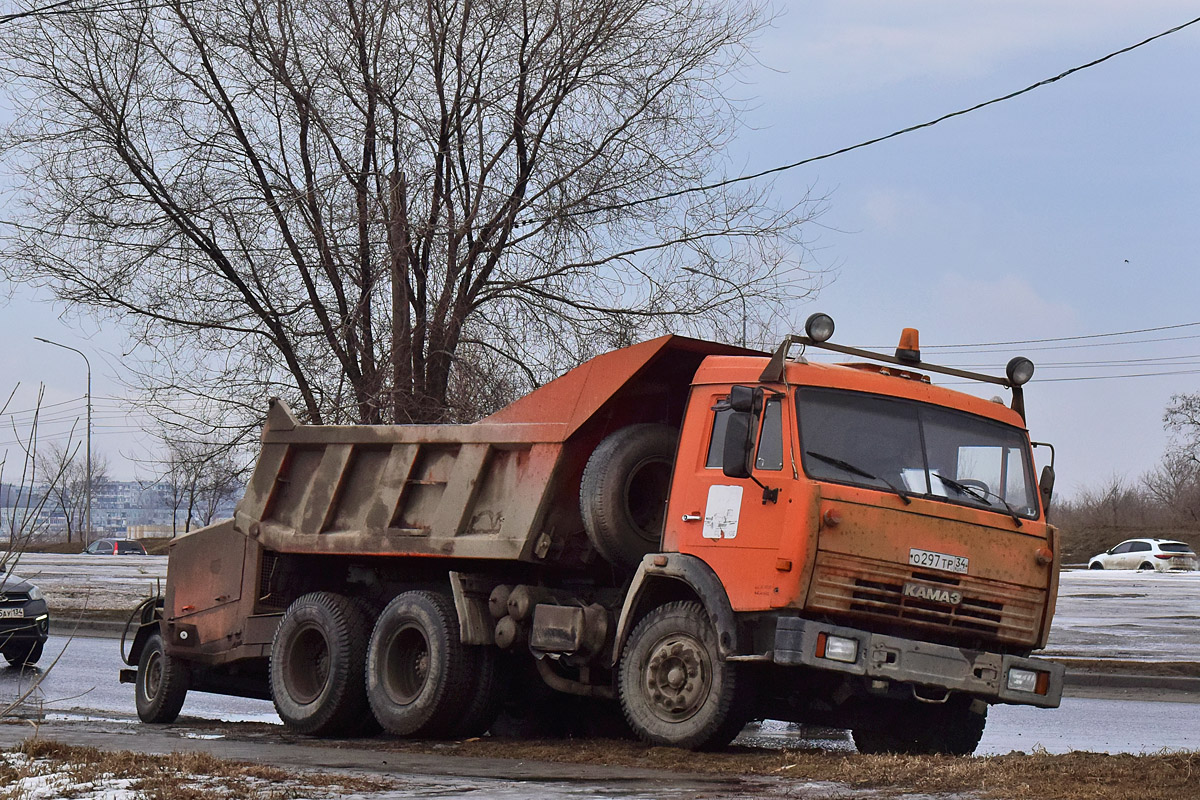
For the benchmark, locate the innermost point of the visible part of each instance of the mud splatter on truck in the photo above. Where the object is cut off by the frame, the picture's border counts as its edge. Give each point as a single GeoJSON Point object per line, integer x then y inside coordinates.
{"type": "Point", "coordinates": [698, 534]}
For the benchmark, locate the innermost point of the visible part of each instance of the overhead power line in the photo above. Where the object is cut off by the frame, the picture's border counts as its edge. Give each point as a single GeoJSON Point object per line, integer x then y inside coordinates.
{"type": "Point", "coordinates": [841, 150]}
{"type": "Point", "coordinates": [65, 7]}
{"type": "Point", "coordinates": [1070, 338]}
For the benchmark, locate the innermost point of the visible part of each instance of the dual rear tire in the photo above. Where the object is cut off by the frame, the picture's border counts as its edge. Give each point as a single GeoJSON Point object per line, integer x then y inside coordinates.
{"type": "Point", "coordinates": [334, 674]}
{"type": "Point", "coordinates": [421, 680]}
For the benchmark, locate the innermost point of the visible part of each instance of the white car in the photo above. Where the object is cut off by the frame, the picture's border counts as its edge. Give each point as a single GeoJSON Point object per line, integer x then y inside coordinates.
{"type": "Point", "coordinates": [1157, 554]}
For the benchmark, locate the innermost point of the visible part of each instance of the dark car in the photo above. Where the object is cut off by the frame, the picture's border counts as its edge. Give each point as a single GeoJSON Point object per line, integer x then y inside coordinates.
{"type": "Point", "coordinates": [116, 547]}
{"type": "Point", "coordinates": [24, 620]}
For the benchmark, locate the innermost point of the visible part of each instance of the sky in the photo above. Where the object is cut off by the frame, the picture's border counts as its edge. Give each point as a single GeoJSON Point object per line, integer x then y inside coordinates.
{"type": "Point", "coordinates": [1066, 212]}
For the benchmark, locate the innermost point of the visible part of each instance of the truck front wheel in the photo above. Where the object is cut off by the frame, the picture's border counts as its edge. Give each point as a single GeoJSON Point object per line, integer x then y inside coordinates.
{"type": "Point", "coordinates": [419, 673]}
{"type": "Point", "coordinates": [317, 660]}
{"type": "Point", "coordinates": [162, 683]}
{"type": "Point", "coordinates": [674, 688]}
{"type": "Point", "coordinates": [951, 728]}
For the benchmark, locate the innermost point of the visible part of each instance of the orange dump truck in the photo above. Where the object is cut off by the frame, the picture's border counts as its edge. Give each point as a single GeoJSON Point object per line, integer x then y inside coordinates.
{"type": "Point", "coordinates": [697, 534]}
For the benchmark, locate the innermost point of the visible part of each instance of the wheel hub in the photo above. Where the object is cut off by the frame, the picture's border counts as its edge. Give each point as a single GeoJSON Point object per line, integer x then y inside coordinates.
{"type": "Point", "coordinates": [153, 675]}
{"type": "Point", "coordinates": [678, 677]}
{"type": "Point", "coordinates": [407, 665]}
{"type": "Point", "coordinates": [306, 669]}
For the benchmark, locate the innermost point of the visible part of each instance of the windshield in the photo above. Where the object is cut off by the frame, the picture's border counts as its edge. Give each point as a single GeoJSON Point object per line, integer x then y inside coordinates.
{"type": "Point", "coordinates": [915, 449]}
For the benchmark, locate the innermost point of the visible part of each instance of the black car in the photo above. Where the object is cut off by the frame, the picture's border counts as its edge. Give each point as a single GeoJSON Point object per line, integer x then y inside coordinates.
{"type": "Point", "coordinates": [24, 620]}
{"type": "Point", "coordinates": [116, 547]}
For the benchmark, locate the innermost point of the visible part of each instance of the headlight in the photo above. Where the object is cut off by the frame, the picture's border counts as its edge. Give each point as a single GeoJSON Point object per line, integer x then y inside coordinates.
{"type": "Point", "coordinates": [1019, 371]}
{"type": "Point", "coordinates": [1027, 680]}
{"type": "Point", "coordinates": [819, 327]}
{"type": "Point", "coordinates": [35, 593]}
{"type": "Point", "coordinates": [837, 648]}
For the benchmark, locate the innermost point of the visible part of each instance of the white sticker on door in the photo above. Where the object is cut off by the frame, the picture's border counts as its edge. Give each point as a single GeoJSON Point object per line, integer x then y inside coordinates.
{"type": "Point", "coordinates": [721, 513]}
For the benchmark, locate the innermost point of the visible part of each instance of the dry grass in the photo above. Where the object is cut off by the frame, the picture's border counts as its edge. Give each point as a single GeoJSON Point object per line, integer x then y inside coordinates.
{"type": "Point", "coordinates": [1016, 776]}
{"type": "Point", "coordinates": [1040, 775]}
{"type": "Point", "coordinates": [177, 776]}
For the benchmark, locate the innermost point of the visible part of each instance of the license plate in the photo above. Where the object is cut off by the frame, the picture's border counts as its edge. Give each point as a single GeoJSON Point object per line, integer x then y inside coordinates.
{"type": "Point", "coordinates": [12, 613]}
{"type": "Point", "coordinates": [928, 559]}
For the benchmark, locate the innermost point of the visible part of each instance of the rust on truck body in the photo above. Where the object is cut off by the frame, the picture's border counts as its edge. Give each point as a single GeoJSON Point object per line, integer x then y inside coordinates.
{"type": "Point", "coordinates": [502, 533]}
{"type": "Point", "coordinates": [485, 490]}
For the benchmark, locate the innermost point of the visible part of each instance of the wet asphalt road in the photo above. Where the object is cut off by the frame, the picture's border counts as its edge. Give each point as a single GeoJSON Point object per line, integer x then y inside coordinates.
{"type": "Point", "coordinates": [83, 685]}
{"type": "Point", "coordinates": [1107, 615]}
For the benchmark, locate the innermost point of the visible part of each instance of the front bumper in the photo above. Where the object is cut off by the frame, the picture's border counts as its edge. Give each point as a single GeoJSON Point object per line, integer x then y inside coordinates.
{"type": "Point", "coordinates": [909, 661]}
{"type": "Point", "coordinates": [35, 627]}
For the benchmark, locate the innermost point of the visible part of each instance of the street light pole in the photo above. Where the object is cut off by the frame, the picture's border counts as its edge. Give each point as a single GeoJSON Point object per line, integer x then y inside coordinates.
{"type": "Point", "coordinates": [88, 485]}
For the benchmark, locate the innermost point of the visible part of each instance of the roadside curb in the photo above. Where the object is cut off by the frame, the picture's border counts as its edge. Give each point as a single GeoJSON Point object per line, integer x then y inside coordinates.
{"type": "Point", "coordinates": [1125, 680]}
{"type": "Point", "coordinates": [103, 628]}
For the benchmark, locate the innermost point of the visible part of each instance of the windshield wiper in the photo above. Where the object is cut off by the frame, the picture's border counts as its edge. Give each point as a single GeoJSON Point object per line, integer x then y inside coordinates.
{"type": "Point", "coordinates": [962, 488]}
{"type": "Point", "coordinates": [980, 495]}
{"type": "Point", "coordinates": [846, 466]}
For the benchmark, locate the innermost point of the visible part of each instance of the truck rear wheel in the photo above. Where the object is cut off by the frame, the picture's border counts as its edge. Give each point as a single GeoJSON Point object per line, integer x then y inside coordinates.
{"type": "Point", "coordinates": [162, 683]}
{"type": "Point", "coordinates": [419, 673]}
{"type": "Point", "coordinates": [951, 728]}
{"type": "Point", "coordinates": [623, 494]}
{"type": "Point", "coordinates": [317, 660]}
{"type": "Point", "coordinates": [485, 695]}
{"type": "Point", "coordinates": [674, 688]}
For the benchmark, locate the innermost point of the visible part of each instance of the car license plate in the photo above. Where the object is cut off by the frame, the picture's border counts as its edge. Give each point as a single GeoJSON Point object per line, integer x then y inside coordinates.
{"type": "Point", "coordinates": [931, 560]}
{"type": "Point", "coordinates": [12, 613]}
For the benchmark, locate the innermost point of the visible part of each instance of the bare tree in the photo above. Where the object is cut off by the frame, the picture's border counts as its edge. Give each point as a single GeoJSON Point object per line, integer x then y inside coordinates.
{"type": "Point", "coordinates": [23, 515]}
{"type": "Point", "coordinates": [70, 492]}
{"type": "Point", "coordinates": [1114, 503]}
{"type": "Point", "coordinates": [202, 478]}
{"type": "Point", "coordinates": [353, 204]}
{"type": "Point", "coordinates": [1175, 485]}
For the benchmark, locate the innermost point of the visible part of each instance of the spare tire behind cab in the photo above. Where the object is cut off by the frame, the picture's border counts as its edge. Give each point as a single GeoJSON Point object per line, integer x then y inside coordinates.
{"type": "Point", "coordinates": [623, 494]}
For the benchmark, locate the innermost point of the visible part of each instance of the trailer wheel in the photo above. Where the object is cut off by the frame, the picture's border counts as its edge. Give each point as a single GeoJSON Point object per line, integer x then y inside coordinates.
{"type": "Point", "coordinates": [673, 686]}
{"type": "Point", "coordinates": [623, 494]}
{"type": "Point", "coordinates": [951, 728]}
{"type": "Point", "coordinates": [162, 683]}
{"type": "Point", "coordinates": [317, 660]}
{"type": "Point", "coordinates": [419, 673]}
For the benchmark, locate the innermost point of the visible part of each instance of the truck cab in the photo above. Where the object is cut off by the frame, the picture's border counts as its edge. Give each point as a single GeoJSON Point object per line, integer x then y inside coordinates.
{"type": "Point", "coordinates": [881, 533]}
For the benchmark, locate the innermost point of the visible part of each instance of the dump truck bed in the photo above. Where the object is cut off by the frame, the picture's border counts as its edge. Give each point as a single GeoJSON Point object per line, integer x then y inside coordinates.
{"type": "Point", "coordinates": [503, 488]}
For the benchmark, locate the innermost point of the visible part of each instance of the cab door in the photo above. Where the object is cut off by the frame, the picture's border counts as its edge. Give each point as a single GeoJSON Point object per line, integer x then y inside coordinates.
{"type": "Point", "coordinates": [733, 524]}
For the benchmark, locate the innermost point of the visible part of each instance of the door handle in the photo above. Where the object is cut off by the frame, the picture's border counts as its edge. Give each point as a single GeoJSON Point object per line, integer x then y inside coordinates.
{"type": "Point", "coordinates": [692, 517]}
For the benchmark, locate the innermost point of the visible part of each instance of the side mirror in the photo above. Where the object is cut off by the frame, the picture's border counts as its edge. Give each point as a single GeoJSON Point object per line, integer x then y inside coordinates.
{"type": "Point", "coordinates": [746, 399]}
{"type": "Point", "coordinates": [735, 460]}
{"type": "Point", "coordinates": [1046, 487]}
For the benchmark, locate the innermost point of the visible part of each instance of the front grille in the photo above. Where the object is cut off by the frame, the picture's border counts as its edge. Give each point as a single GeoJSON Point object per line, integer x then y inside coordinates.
{"type": "Point", "coordinates": [845, 586]}
{"type": "Point", "coordinates": [13, 598]}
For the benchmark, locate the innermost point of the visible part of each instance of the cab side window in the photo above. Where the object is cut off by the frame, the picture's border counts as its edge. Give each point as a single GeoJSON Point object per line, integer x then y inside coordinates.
{"type": "Point", "coordinates": [716, 444]}
{"type": "Point", "coordinates": [770, 441]}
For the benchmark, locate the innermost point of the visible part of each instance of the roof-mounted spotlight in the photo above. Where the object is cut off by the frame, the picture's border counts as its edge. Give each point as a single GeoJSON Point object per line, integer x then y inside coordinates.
{"type": "Point", "coordinates": [819, 327]}
{"type": "Point", "coordinates": [1019, 371]}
